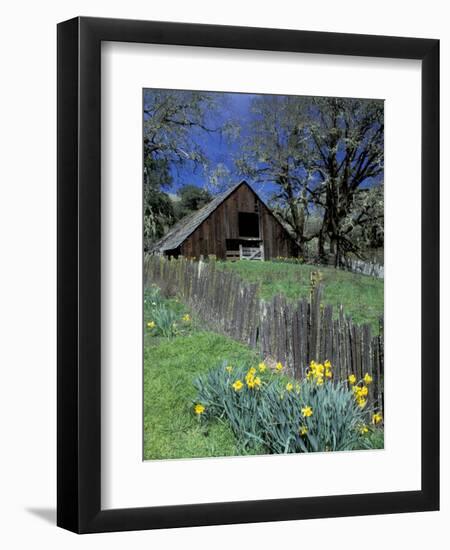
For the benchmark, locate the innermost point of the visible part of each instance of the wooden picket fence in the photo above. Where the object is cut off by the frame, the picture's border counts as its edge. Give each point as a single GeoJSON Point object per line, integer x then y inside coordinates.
{"type": "Point", "coordinates": [366, 268]}
{"type": "Point", "coordinates": [293, 333]}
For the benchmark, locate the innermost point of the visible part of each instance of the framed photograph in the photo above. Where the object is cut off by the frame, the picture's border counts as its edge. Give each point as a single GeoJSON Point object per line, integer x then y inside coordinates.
{"type": "Point", "coordinates": [248, 288]}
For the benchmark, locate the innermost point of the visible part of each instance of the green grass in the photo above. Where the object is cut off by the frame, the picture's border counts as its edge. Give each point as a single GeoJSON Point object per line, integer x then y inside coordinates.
{"type": "Point", "coordinates": [170, 428]}
{"type": "Point", "coordinates": [362, 296]}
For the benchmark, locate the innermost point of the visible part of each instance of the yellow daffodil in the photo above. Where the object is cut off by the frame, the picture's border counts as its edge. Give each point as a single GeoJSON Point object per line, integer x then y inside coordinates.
{"type": "Point", "coordinates": [151, 324]}
{"type": "Point", "coordinates": [186, 318]}
{"type": "Point", "coordinates": [377, 418]}
{"type": "Point", "coordinates": [289, 386]}
{"type": "Point", "coordinates": [319, 369]}
{"type": "Point", "coordinates": [307, 411]}
{"type": "Point", "coordinates": [361, 402]}
{"type": "Point", "coordinates": [279, 367]}
{"type": "Point", "coordinates": [199, 409]}
{"type": "Point", "coordinates": [262, 367]}
{"type": "Point", "coordinates": [352, 379]}
{"type": "Point", "coordinates": [238, 385]}
{"type": "Point", "coordinates": [250, 378]}
{"type": "Point", "coordinates": [303, 430]}
{"type": "Point", "coordinates": [360, 391]}
{"type": "Point", "coordinates": [363, 429]}
{"type": "Point", "coordinates": [229, 368]}
{"type": "Point", "coordinates": [257, 381]}
{"type": "Point", "coordinates": [367, 378]}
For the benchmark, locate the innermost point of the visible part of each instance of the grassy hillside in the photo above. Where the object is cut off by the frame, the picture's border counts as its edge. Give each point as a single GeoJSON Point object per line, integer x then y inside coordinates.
{"type": "Point", "coordinates": [361, 296]}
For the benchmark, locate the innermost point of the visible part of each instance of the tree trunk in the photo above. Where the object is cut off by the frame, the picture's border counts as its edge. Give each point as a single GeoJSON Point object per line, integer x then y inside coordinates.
{"type": "Point", "coordinates": [321, 245]}
{"type": "Point", "coordinates": [333, 243]}
{"type": "Point", "coordinates": [337, 259]}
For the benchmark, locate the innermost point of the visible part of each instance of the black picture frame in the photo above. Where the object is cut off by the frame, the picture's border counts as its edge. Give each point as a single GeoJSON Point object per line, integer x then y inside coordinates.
{"type": "Point", "coordinates": [79, 281]}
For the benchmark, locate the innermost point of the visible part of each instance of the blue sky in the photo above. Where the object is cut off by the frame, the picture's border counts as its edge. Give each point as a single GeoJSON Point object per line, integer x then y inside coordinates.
{"type": "Point", "coordinates": [216, 147]}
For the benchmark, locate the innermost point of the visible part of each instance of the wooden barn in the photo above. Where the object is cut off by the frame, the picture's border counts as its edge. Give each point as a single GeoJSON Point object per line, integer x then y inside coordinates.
{"type": "Point", "coordinates": [234, 225]}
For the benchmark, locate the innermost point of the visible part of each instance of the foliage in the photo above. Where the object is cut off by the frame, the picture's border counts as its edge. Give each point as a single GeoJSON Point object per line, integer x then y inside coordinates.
{"type": "Point", "coordinates": [159, 213]}
{"type": "Point", "coordinates": [344, 152]}
{"type": "Point", "coordinates": [163, 317]}
{"type": "Point", "coordinates": [376, 438]}
{"type": "Point", "coordinates": [239, 408]}
{"type": "Point", "coordinates": [152, 298]}
{"type": "Point", "coordinates": [171, 428]}
{"type": "Point", "coordinates": [165, 320]}
{"type": "Point", "coordinates": [192, 198]}
{"type": "Point", "coordinates": [283, 416]}
{"type": "Point", "coordinates": [361, 296]}
{"type": "Point", "coordinates": [285, 260]}
{"type": "Point", "coordinates": [169, 118]}
{"type": "Point", "coordinates": [365, 223]}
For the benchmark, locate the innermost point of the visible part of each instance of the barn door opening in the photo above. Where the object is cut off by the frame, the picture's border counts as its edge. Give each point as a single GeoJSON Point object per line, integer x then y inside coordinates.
{"type": "Point", "coordinates": [248, 225]}
{"type": "Point", "coordinates": [232, 249]}
{"type": "Point", "coordinates": [244, 249]}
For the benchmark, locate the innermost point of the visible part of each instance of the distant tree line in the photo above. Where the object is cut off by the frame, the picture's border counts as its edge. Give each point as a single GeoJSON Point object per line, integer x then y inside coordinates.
{"type": "Point", "coordinates": [323, 156]}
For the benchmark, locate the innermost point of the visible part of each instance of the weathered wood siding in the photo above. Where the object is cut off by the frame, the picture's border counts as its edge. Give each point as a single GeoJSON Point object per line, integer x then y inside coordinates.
{"type": "Point", "coordinates": [210, 237]}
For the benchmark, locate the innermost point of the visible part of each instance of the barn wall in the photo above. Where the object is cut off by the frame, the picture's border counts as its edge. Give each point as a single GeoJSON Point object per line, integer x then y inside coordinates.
{"type": "Point", "coordinates": [276, 241]}
{"type": "Point", "coordinates": [210, 237]}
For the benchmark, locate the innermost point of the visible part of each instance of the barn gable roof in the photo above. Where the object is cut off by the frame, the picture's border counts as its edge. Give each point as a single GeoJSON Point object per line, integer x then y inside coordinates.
{"type": "Point", "coordinates": [187, 225]}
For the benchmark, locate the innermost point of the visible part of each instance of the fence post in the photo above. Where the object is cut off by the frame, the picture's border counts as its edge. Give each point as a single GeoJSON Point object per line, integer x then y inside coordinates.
{"type": "Point", "coordinates": [315, 323]}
